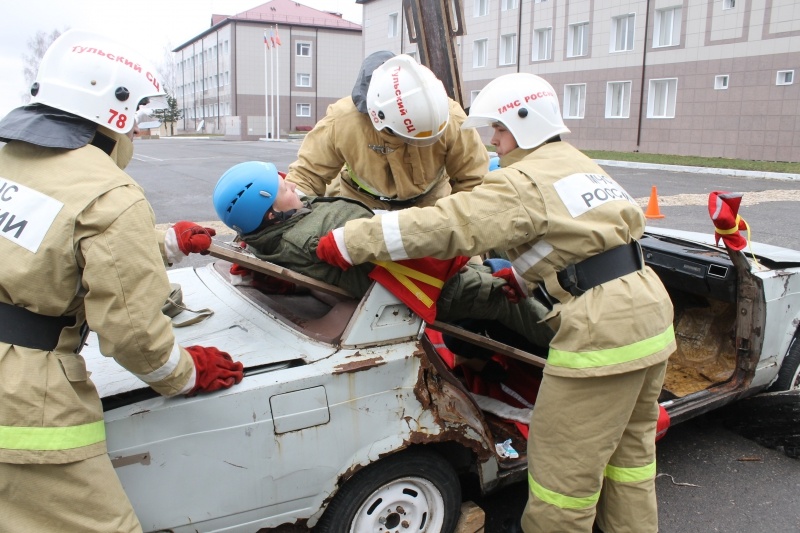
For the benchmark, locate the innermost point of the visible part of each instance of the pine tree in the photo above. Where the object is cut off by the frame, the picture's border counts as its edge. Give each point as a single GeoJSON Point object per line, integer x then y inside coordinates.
{"type": "Point", "coordinates": [171, 115]}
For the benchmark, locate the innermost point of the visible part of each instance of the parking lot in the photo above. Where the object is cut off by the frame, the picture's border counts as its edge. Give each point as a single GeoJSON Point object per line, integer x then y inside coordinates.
{"type": "Point", "coordinates": [710, 479]}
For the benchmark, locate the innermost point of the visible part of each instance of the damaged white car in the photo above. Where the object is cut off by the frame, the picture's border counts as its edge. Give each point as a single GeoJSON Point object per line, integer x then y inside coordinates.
{"type": "Point", "coordinates": [351, 419]}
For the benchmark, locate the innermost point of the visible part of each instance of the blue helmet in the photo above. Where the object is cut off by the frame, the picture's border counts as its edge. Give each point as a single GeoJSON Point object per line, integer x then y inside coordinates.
{"type": "Point", "coordinates": [494, 162]}
{"type": "Point", "coordinates": [244, 193]}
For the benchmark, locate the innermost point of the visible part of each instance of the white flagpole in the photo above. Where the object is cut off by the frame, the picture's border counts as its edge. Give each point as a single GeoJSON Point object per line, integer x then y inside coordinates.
{"type": "Point", "coordinates": [278, 84]}
{"type": "Point", "coordinates": [266, 90]}
{"type": "Point", "coordinates": [272, 73]}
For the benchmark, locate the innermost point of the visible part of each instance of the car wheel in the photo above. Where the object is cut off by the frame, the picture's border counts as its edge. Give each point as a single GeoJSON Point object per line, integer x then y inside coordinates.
{"type": "Point", "coordinates": [789, 373]}
{"type": "Point", "coordinates": [412, 491]}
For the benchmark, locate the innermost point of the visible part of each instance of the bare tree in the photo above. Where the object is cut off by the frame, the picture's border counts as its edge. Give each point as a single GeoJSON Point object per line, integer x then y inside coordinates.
{"type": "Point", "coordinates": [37, 46]}
{"type": "Point", "coordinates": [168, 70]}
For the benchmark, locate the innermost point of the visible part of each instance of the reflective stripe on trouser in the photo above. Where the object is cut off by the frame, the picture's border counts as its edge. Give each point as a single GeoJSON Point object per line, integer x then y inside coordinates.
{"type": "Point", "coordinates": [589, 434]}
{"type": "Point", "coordinates": [81, 497]}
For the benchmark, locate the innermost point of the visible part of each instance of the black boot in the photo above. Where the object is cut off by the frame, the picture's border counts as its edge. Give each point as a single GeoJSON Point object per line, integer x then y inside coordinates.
{"type": "Point", "coordinates": [514, 527]}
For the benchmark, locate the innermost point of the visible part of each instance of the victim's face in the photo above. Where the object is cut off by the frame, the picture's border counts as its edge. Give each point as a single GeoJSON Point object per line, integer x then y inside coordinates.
{"type": "Point", "coordinates": [287, 197]}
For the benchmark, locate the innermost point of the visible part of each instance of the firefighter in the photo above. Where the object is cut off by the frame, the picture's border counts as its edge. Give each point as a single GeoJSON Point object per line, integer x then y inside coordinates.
{"type": "Point", "coordinates": [80, 250]}
{"type": "Point", "coordinates": [571, 231]}
{"type": "Point", "coordinates": [395, 143]}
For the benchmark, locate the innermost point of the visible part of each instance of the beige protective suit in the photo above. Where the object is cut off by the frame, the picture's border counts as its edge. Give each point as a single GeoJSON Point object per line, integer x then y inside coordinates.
{"type": "Point", "coordinates": [87, 250]}
{"type": "Point", "coordinates": [345, 144]}
{"type": "Point", "coordinates": [594, 422]}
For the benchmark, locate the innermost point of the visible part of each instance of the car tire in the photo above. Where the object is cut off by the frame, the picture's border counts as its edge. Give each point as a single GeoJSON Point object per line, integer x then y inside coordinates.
{"type": "Point", "coordinates": [789, 373]}
{"type": "Point", "coordinates": [415, 490]}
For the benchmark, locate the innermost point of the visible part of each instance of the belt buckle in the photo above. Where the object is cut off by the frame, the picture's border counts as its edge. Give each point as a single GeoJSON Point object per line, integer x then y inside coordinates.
{"type": "Point", "coordinates": [568, 278]}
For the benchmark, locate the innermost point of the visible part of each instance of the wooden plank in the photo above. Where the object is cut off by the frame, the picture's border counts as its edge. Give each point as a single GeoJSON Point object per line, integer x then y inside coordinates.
{"type": "Point", "coordinates": [246, 259]}
{"type": "Point", "coordinates": [472, 519]}
{"type": "Point", "coordinates": [488, 343]}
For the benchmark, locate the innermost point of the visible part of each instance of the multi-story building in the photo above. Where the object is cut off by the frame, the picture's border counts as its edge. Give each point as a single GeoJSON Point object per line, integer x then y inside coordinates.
{"type": "Point", "coordinates": [267, 71]}
{"type": "Point", "coordinates": [714, 78]}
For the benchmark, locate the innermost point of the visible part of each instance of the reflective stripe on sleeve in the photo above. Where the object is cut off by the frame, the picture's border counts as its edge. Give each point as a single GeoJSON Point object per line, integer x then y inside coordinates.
{"type": "Point", "coordinates": [52, 438]}
{"type": "Point", "coordinates": [612, 356]}
{"type": "Point", "coordinates": [166, 369]}
{"type": "Point", "coordinates": [632, 474]}
{"type": "Point", "coordinates": [560, 500]}
{"type": "Point", "coordinates": [532, 256]}
{"type": "Point", "coordinates": [390, 222]}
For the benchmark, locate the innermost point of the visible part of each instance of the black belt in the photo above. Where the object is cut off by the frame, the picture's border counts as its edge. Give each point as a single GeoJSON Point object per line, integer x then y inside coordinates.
{"type": "Point", "coordinates": [394, 201]}
{"type": "Point", "coordinates": [578, 278]}
{"type": "Point", "coordinates": [21, 327]}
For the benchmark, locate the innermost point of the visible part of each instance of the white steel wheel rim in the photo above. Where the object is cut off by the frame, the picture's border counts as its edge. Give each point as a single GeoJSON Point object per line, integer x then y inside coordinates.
{"type": "Point", "coordinates": [404, 505]}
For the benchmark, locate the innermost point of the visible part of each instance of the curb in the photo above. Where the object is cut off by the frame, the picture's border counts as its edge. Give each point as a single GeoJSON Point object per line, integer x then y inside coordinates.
{"type": "Point", "coordinates": [785, 176]}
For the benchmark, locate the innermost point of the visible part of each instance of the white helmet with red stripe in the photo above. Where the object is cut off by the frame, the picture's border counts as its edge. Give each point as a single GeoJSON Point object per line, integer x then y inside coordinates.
{"type": "Point", "coordinates": [96, 78]}
{"type": "Point", "coordinates": [524, 103]}
{"type": "Point", "coordinates": [408, 99]}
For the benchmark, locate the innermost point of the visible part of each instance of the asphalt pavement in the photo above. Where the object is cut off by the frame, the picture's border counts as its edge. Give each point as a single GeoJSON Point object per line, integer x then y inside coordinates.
{"type": "Point", "coordinates": [709, 478]}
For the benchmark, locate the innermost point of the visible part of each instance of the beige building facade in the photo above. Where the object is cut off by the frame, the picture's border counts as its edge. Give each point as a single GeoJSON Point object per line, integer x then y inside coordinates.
{"type": "Point", "coordinates": [266, 72]}
{"type": "Point", "coordinates": [712, 78]}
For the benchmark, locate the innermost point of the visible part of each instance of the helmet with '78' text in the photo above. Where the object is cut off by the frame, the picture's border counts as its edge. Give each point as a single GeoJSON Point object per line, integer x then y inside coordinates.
{"type": "Point", "coordinates": [96, 78]}
{"type": "Point", "coordinates": [408, 99]}
{"type": "Point", "coordinates": [524, 103]}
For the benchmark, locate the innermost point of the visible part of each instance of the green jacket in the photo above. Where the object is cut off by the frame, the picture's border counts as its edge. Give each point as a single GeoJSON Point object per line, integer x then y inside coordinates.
{"type": "Point", "coordinates": [293, 243]}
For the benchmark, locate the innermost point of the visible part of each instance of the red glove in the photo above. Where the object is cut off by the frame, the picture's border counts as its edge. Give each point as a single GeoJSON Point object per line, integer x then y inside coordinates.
{"type": "Point", "coordinates": [328, 251]}
{"type": "Point", "coordinates": [215, 369]}
{"type": "Point", "coordinates": [513, 289]}
{"type": "Point", "coordinates": [192, 238]}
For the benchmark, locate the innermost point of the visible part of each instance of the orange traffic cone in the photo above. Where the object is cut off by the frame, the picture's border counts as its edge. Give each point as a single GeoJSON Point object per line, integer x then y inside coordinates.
{"type": "Point", "coordinates": [652, 206]}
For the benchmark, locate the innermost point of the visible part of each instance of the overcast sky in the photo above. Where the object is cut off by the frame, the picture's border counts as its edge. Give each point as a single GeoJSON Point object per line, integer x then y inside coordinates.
{"type": "Point", "coordinates": [148, 25]}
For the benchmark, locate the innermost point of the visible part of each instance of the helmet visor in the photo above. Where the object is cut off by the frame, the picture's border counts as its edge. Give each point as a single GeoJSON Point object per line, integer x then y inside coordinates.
{"type": "Point", "coordinates": [477, 122]}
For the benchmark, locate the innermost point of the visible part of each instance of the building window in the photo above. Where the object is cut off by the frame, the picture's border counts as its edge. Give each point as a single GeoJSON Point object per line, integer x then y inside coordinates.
{"type": "Point", "coordinates": [539, 1]}
{"type": "Point", "coordinates": [542, 39]}
{"type": "Point", "coordinates": [303, 49]}
{"type": "Point", "coordinates": [413, 54]}
{"type": "Point", "coordinates": [728, 4]}
{"type": "Point", "coordinates": [578, 40]}
{"type": "Point", "coordinates": [721, 81]}
{"type": "Point", "coordinates": [472, 96]}
{"type": "Point", "coordinates": [481, 8]}
{"type": "Point", "coordinates": [505, 5]}
{"type": "Point", "coordinates": [622, 32]}
{"type": "Point", "coordinates": [508, 49]}
{"type": "Point", "coordinates": [393, 24]}
{"type": "Point", "coordinates": [574, 100]}
{"type": "Point", "coordinates": [661, 98]}
{"type": "Point", "coordinates": [618, 99]}
{"type": "Point", "coordinates": [785, 77]}
{"type": "Point", "coordinates": [302, 80]}
{"type": "Point", "coordinates": [302, 110]}
{"type": "Point", "coordinates": [479, 53]}
{"type": "Point", "coordinates": [668, 27]}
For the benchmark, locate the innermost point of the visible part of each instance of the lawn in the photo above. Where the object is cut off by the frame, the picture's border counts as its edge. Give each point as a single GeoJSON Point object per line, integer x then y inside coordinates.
{"type": "Point", "coordinates": [692, 161]}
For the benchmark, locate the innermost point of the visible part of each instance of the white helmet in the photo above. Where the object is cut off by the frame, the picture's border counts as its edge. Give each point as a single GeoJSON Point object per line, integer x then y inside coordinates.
{"type": "Point", "coordinates": [524, 103]}
{"type": "Point", "coordinates": [96, 78]}
{"type": "Point", "coordinates": [408, 99]}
